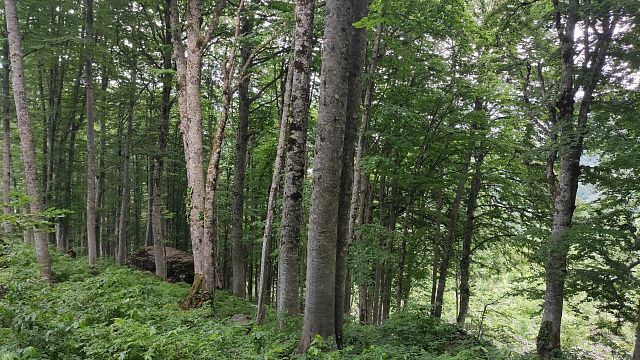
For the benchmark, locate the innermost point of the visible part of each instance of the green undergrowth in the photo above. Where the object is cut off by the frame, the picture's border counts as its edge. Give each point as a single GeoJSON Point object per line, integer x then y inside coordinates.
{"type": "Point", "coordinates": [113, 312]}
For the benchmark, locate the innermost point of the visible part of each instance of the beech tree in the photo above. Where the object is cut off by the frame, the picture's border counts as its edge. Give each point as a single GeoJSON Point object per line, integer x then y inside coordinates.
{"type": "Point", "coordinates": [330, 140]}
{"type": "Point", "coordinates": [26, 136]}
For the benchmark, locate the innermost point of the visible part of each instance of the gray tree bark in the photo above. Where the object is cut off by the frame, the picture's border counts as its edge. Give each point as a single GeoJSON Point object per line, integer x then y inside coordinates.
{"type": "Point", "coordinates": [238, 253]}
{"type": "Point", "coordinates": [449, 237]}
{"type": "Point", "coordinates": [188, 58]}
{"type": "Point", "coordinates": [436, 239]}
{"type": "Point", "coordinates": [636, 348]}
{"type": "Point", "coordinates": [91, 177]}
{"type": "Point", "coordinates": [288, 262]}
{"type": "Point", "coordinates": [157, 201]}
{"type": "Point", "coordinates": [265, 259]}
{"type": "Point", "coordinates": [467, 238]}
{"type": "Point", "coordinates": [354, 96]}
{"type": "Point", "coordinates": [571, 132]}
{"type": "Point", "coordinates": [125, 198]}
{"type": "Point", "coordinates": [319, 318]}
{"type": "Point", "coordinates": [26, 136]}
{"type": "Point", "coordinates": [6, 135]}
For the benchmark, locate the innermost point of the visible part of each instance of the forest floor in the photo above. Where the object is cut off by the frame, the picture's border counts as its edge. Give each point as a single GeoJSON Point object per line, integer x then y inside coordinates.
{"type": "Point", "coordinates": [113, 312]}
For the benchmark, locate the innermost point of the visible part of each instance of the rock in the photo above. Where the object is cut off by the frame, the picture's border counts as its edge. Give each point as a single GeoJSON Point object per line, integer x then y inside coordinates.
{"type": "Point", "coordinates": [179, 263]}
{"type": "Point", "coordinates": [241, 319]}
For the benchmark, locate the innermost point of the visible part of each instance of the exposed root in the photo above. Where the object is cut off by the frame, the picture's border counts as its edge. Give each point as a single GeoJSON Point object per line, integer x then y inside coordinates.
{"type": "Point", "coordinates": [197, 296]}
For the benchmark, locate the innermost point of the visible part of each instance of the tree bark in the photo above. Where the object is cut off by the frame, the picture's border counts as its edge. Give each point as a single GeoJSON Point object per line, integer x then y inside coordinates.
{"type": "Point", "coordinates": [188, 88]}
{"type": "Point", "coordinates": [292, 209]}
{"type": "Point", "coordinates": [26, 136]}
{"type": "Point", "coordinates": [265, 259]}
{"type": "Point", "coordinates": [157, 201]}
{"type": "Point", "coordinates": [319, 317]}
{"type": "Point", "coordinates": [238, 253]}
{"type": "Point", "coordinates": [467, 238]}
{"type": "Point", "coordinates": [449, 237]}
{"type": "Point", "coordinates": [102, 176]}
{"type": "Point", "coordinates": [636, 348]}
{"type": "Point", "coordinates": [570, 140]}
{"type": "Point", "coordinates": [125, 198]}
{"type": "Point", "coordinates": [6, 134]}
{"type": "Point", "coordinates": [354, 94]}
{"type": "Point", "coordinates": [436, 239]}
{"type": "Point", "coordinates": [91, 178]}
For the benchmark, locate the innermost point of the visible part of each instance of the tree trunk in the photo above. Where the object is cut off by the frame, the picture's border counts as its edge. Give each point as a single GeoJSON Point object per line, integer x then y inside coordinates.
{"type": "Point", "coordinates": [121, 256]}
{"type": "Point", "coordinates": [449, 237]}
{"type": "Point", "coordinates": [6, 135]}
{"type": "Point", "coordinates": [265, 259]}
{"type": "Point", "coordinates": [188, 86]}
{"type": "Point", "coordinates": [238, 253]}
{"type": "Point", "coordinates": [402, 261]}
{"type": "Point", "coordinates": [100, 191]}
{"type": "Point", "coordinates": [26, 137]}
{"type": "Point", "coordinates": [165, 116]}
{"type": "Point", "coordinates": [570, 140]}
{"type": "Point", "coordinates": [319, 317]}
{"type": "Point", "coordinates": [436, 239]}
{"type": "Point", "coordinates": [636, 348]}
{"type": "Point", "coordinates": [467, 238]}
{"type": "Point", "coordinates": [91, 178]}
{"type": "Point", "coordinates": [354, 94]}
{"type": "Point", "coordinates": [288, 302]}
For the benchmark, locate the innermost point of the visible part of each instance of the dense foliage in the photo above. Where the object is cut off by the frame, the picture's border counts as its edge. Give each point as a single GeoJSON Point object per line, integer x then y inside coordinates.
{"type": "Point", "coordinates": [117, 313]}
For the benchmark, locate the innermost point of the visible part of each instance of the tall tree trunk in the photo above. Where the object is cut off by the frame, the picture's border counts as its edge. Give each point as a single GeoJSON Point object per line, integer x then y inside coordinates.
{"type": "Point", "coordinates": [402, 261]}
{"type": "Point", "coordinates": [26, 137]}
{"type": "Point", "coordinates": [265, 259]}
{"type": "Point", "coordinates": [188, 58]}
{"type": "Point", "coordinates": [6, 134]}
{"type": "Point", "coordinates": [121, 256]}
{"type": "Point", "coordinates": [570, 140]}
{"type": "Point", "coordinates": [319, 317]}
{"type": "Point", "coordinates": [91, 178]}
{"type": "Point", "coordinates": [292, 210]}
{"type": "Point", "coordinates": [450, 236]}
{"type": "Point", "coordinates": [238, 253]}
{"type": "Point", "coordinates": [74, 126]}
{"type": "Point", "coordinates": [101, 182]}
{"type": "Point", "coordinates": [465, 256]}
{"type": "Point", "coordinates": [156, 220]}
{"type": "Point", "coordinates": [354, 94]}
{"type": "Point", "coordinates": [436, 238]}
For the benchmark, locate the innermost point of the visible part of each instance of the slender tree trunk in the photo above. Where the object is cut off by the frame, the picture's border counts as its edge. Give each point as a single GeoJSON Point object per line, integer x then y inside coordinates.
{"type": "Point", "coordinates": [449, 237]}
{"type": "Point", "coordinates": [288, 302]}
{"type": "Point", "coordinates": [636, 348]}
{"type": "Point", "coordinates": [238, 253]}
{"type": "Point", "coordinates": [402, 261]}
{"type": "Point", "coordinates": [265, 259]}
{"type": "Point", "coordinates": [465, 256]}
{"type": "Point", "coordinates": [319, 317]}
{"type": "Point", "coordinates": [26, 137]}
{"type": "Point", "coordinates": [156, 220]}
{"type": "Point", "coordinates": [354, 94]}
{"type": "Point", "coordinates": [6, 134]}
{"type": "Point", "coordinates": [121, 256]}
{"type": "Point", "coordinates": [91, 178]}
{"type": "Point", "coordinates": [101, 183]}
{"type": "Point", "coordinates": [436, 238]}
